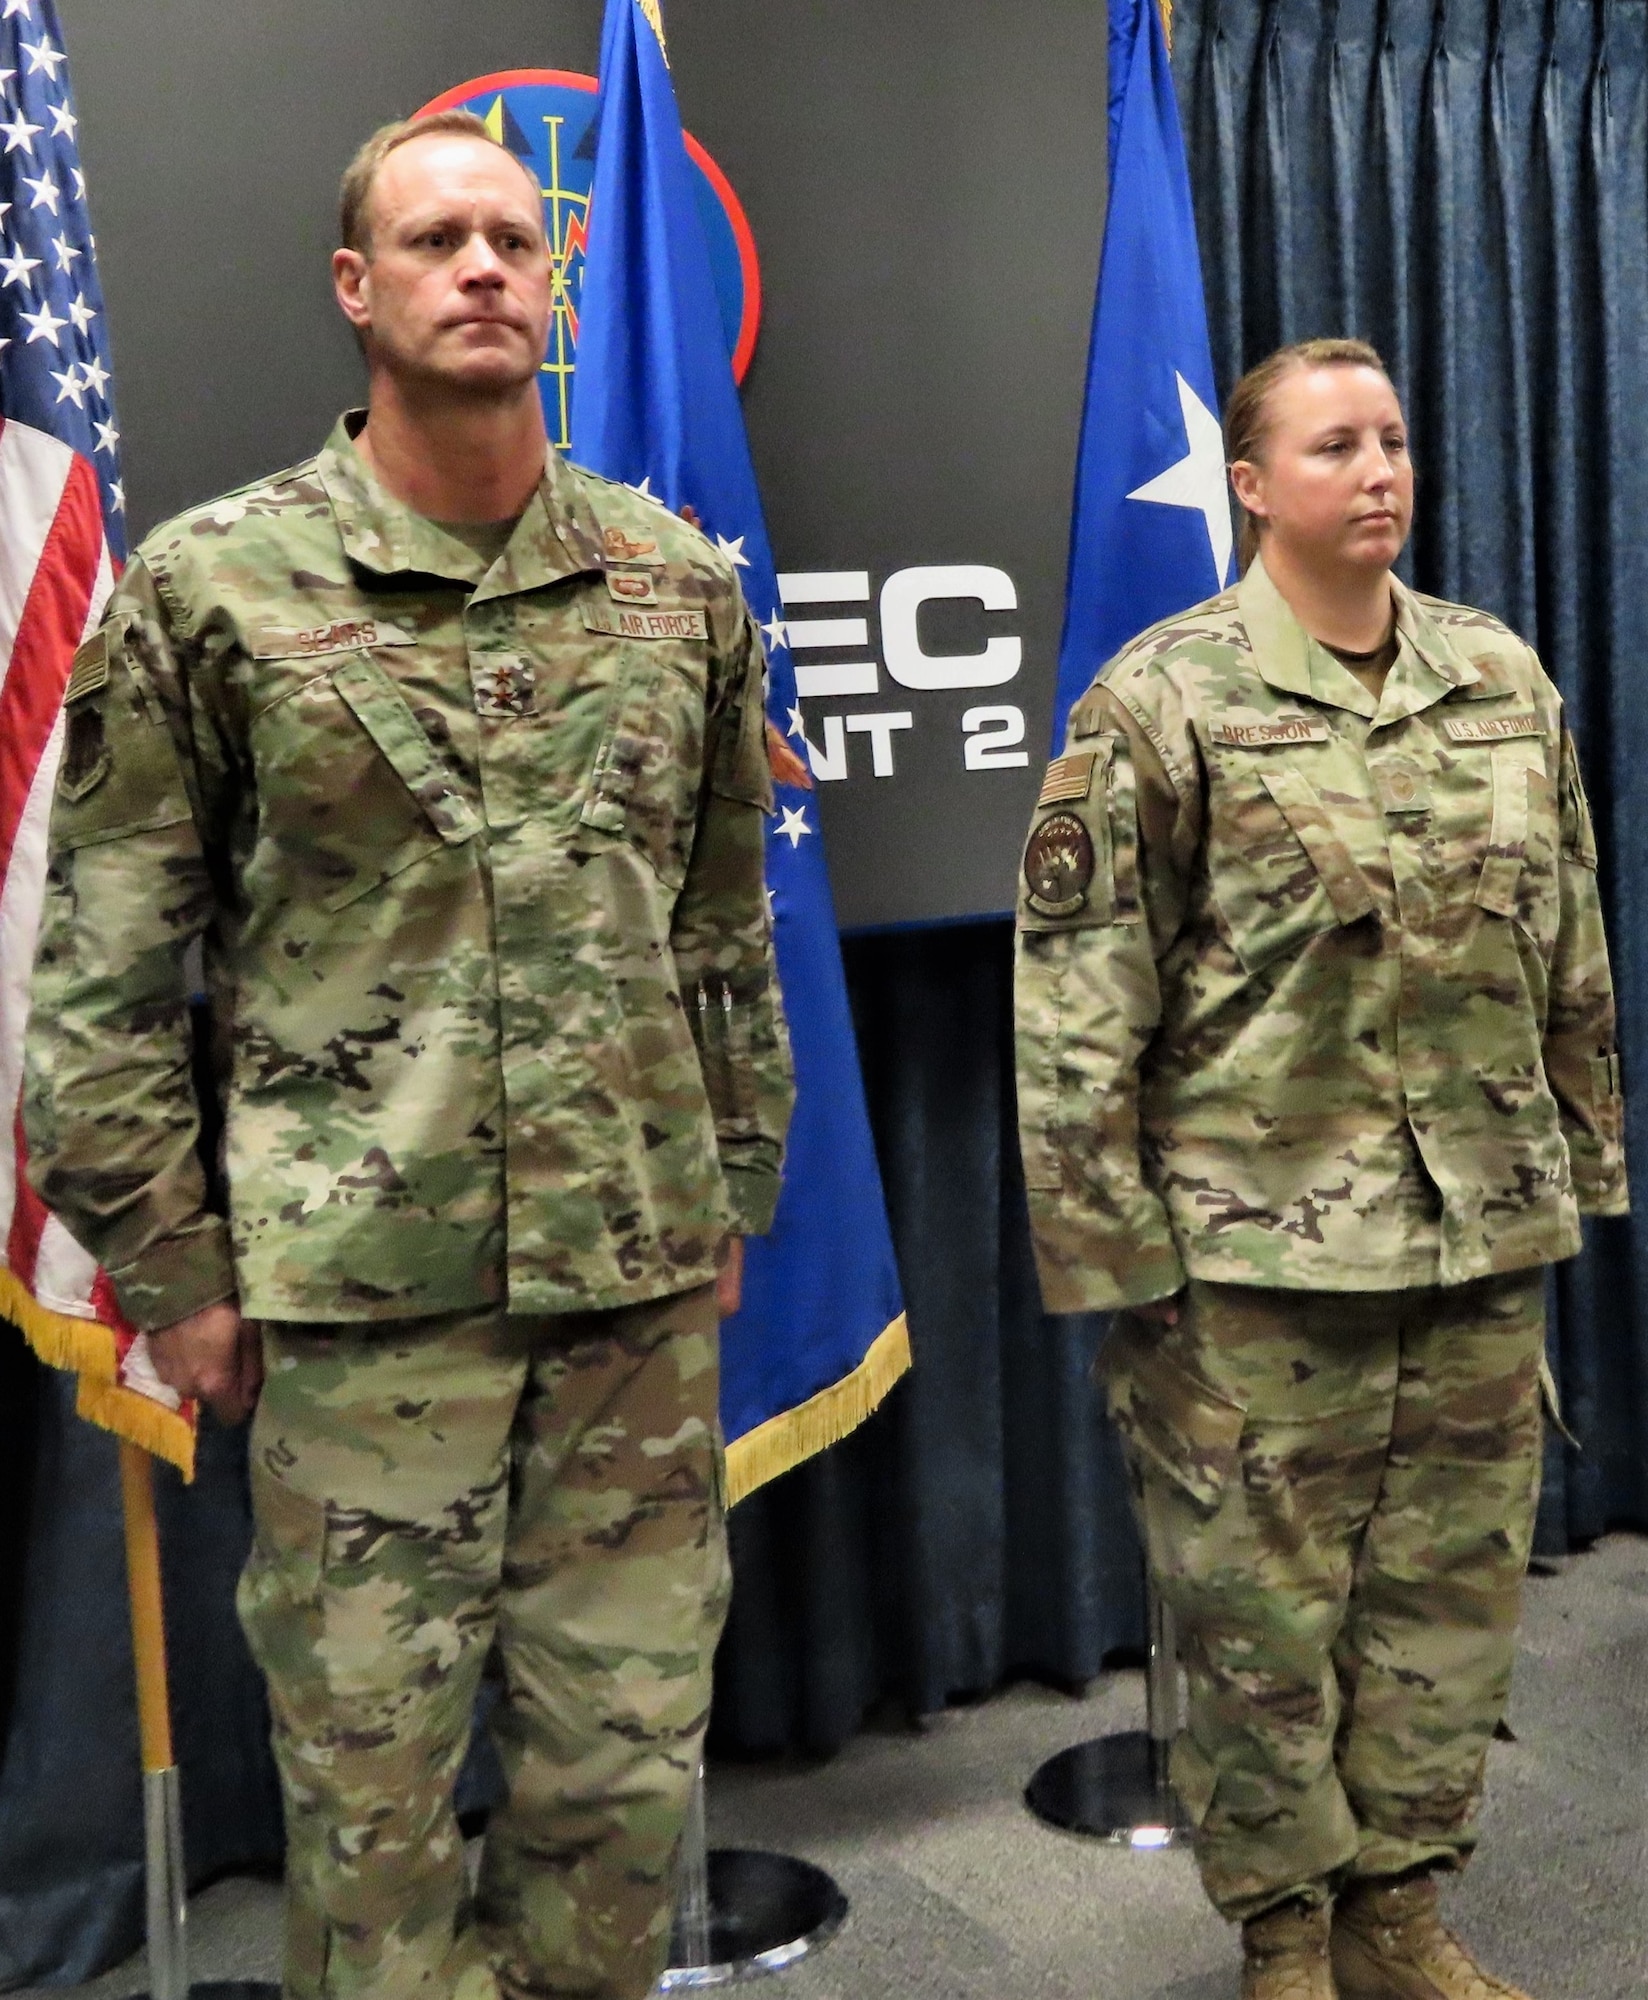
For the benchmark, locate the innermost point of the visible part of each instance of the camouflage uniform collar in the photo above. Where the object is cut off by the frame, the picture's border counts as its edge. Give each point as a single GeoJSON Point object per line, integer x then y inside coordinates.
{"type": "Point", "coordinates": [557, 535]}
{"type": "Point", "coordinates": [1425, 670]}
{"type": "Point", "coordinates": [1428, 666]}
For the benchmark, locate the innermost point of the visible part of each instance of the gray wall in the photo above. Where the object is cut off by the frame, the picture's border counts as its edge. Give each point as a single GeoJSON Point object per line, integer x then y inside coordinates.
{"type": "Point", "coordinates": [925, 185]}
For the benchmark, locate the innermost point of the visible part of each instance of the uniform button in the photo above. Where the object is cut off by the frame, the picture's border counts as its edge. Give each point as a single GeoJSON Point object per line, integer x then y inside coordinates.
{"type": "Point", "coordinates": [1402, 787]}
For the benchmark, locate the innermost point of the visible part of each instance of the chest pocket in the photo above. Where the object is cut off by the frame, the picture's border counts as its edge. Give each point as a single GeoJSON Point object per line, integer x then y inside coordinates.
{"type": "Point", "coordinates": [1280, 867]}
{"type": "Point", "coordinates": [644, 782]}
{"type": "Point", "coordinates": [350, 784]}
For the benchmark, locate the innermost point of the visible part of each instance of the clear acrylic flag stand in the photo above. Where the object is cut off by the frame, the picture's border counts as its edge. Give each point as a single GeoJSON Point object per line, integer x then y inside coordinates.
{"type": "Point", "coordinates": [741, 1913]}
{"type": "Point", "coordinates": [1116, 1788]}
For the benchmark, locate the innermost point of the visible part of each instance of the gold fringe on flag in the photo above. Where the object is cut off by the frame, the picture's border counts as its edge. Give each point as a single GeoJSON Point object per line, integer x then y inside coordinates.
{"type": "Point", "coordinates": [84, 1345]}
{"type": "Point", "coordinates": [655, 19]}
{"type": "Point", "coordinates": [87, 1349]}
{"type": "Point", "coordinates": [782, 1442]}
{"type": "Point", "coordinates": [140, 1420]}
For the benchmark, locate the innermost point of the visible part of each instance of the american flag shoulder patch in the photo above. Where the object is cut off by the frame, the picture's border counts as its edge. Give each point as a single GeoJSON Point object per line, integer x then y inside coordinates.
{"type": "Point", "coordinates": [90, 670]}
{"type": "Point", "coordinates": [1068, 778]}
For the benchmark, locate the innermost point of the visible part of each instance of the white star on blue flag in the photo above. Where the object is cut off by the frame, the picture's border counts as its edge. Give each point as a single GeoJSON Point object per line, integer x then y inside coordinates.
{"type": "Point", "coordinates": [1151, 530]}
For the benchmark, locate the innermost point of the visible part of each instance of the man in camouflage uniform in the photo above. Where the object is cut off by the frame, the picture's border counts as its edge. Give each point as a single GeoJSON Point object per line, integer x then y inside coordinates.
{"type": "Point", "coordinates": [453, 759]}
{"type": "Point", "coordinates": [1316, 1037]}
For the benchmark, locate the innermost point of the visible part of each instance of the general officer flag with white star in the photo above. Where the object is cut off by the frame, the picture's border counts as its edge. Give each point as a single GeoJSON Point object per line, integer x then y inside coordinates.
{"type": "Point", "coordinates": [1151, 530]}
{"type": "Point", "coordinates": [821, 1336]}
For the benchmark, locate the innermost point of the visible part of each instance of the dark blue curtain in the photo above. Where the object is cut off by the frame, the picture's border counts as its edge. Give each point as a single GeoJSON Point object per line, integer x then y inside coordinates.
{"type": "Point", "coordinates": [977, 1527]}
{"type": "Point", "coordinates": [1465, 184]}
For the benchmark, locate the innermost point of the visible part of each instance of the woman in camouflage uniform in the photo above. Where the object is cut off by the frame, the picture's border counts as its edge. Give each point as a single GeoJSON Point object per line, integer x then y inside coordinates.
{"type": "Point", "coordinates": [1316, 1072]}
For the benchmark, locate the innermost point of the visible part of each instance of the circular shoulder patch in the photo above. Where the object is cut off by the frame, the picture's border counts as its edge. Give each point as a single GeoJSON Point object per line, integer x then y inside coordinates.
{"type": "Point", "coordinates": [1058, 865]}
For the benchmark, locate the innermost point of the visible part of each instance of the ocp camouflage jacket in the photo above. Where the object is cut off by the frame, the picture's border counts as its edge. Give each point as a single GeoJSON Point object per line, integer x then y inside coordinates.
{"type": "Point", "coordinates": [1336, 1014]}
{"type": "Point", "coordinates": [475, 850]}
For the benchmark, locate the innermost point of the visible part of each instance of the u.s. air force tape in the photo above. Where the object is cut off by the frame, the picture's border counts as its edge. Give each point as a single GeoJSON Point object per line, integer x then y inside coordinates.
{"type": "Point", "coordinates": [1058, 865]}
{"type": "Point", "coordinates": [1490, 728]}
{"type": "Point", "coordinates": [622, 622]}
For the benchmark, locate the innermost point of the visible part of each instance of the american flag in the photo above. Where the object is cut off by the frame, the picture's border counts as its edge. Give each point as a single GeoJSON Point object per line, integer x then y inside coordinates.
{"type": "Point", "coordinates": [62, 540]}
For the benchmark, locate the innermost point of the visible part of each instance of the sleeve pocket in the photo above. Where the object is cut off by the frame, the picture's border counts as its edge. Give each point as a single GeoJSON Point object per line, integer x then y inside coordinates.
{"type": "Point", "coordinates": [1578, 833]}
{"type": "Point", "coordinates": [1080, 865]}
{"type": "Point", "coordinates": [119, 772]}
{"type": "Point", "coordinates": [742, 770]}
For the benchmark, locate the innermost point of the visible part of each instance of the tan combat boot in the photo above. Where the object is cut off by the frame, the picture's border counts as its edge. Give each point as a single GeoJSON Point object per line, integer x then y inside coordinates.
{"type": "Point", "coordinates": [1285, 1955]}
{"type": "Point", "coordinates": [1389, 1944]}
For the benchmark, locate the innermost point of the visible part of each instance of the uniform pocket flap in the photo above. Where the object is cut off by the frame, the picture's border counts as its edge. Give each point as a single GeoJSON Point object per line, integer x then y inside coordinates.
{"type": "Point", "coordinates": [1346, 885]}
{"type": "Point", "coordinates": [291, 1531]}
{"type": "Point", "coordinates": [381, 710]}
{"type": "Point", "coordinates": [1170, 1418]}
{"type": "Point", "coordinates": [1498, 884]}
{"type": "Point", "coordinates": [626, 745]}
{"type": "Point", "coordinates": [1553, 1403]}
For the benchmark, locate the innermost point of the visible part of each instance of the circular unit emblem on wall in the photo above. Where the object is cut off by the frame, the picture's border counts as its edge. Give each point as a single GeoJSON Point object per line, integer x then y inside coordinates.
{"type": "Point", "coordinates": [546, 117]}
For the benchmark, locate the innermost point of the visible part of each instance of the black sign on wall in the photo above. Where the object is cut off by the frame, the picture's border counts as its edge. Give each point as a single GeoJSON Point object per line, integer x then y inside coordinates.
{"type": "Point", "coordinates": [925, 185]}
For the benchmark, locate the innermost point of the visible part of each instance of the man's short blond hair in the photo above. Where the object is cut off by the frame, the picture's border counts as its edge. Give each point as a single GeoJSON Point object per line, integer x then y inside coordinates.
{"type": "Point", "coordinates": [355, 193]}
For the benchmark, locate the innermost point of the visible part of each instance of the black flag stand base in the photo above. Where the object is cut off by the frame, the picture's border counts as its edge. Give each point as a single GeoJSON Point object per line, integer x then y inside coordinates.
{"type": "Point", "coordinates": [1116, 1788]}
{"type": "Point", "coordinates": [741, 1913]}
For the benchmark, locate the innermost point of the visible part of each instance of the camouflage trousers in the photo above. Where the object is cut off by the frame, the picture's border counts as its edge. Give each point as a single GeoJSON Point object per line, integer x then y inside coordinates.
{"type": "Point", "coordinates": [546, 1490]}
{"type": "Point", "coordinates": [1337, 1491]}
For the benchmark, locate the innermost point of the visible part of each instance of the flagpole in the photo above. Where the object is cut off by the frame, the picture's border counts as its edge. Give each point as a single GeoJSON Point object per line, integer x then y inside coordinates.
{"type": "Point", "coordinates": [165, 1877]}
{"type": "Point", "coordinates": [162, 1800]}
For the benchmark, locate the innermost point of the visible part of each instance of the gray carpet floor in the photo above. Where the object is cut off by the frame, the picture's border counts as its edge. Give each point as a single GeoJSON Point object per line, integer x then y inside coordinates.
{"type": "Point", "coordinates": [957, 1894]}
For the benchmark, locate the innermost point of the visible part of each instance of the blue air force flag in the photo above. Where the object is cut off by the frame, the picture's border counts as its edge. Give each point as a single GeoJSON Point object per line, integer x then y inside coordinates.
{"type": "Point", "coordinates": [821, 1336]}
{"type": "Point", "coordinates": [1151, 529]}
